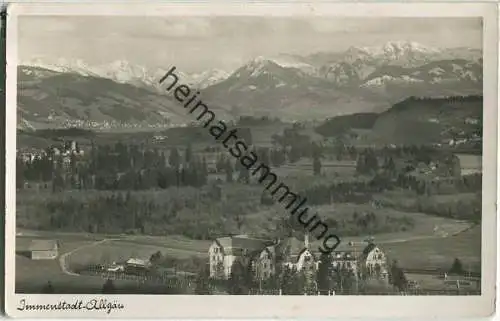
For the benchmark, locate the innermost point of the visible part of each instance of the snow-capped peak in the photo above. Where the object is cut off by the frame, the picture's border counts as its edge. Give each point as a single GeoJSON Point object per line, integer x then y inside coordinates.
{"type": "Point", "coordinates": [407, 46]}
{"type": "Point", "coordinates": [392, 50]}
{"type": "Point", "coordinates": [123, 71]}
{"type": "Point", "coordinates": [61, 65]}
{"type": "Point", "coordinates": [399, 48]}
{"type": "Point", "coordinates": [258, 64]}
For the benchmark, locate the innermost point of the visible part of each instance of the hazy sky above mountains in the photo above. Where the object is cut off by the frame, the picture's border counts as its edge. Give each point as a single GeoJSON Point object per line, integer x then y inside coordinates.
{"type": "Point", "coordinates": [197, 43]}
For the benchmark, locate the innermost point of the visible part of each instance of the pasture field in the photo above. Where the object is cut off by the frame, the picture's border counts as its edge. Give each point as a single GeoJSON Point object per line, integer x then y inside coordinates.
{"type": "Point", "coordinates": [121, 250]}
{"type": "Point", "coordinates": [32, 276]}
{"type": "Point", "coordinates": [406, 199]}
{"type": "Point", "coordinates": [173, 242]}
{"type": "Point", "coordinates": [424, 225]}
{"type": "Point", "coordinates": [439, 252]}
{"type": "Point", "coordinates": [437, 282]}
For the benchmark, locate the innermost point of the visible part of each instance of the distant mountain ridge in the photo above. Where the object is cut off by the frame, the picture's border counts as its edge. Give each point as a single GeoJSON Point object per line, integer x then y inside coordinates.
{"type": "Point", "coordinates": [357, 80]}
{"type": "Point", "coordinates": [49, 99]}
{"type": "Point", "coordinates": [291, 87]}
{"type": "Point", "coordinates": [125, 72]}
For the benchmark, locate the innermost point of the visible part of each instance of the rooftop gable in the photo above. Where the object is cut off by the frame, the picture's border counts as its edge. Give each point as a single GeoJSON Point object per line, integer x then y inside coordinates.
{"type": "Point", "coordinates": [230, 243]}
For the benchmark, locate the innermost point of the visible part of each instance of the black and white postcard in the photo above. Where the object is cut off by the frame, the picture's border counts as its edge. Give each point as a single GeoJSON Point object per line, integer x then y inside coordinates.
{"type": "Point", "coordinates": [251, 160]}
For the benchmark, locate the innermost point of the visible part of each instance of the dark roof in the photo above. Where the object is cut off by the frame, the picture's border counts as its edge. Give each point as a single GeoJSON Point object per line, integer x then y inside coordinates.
{"type": "Point", "coordinates": [369, 248]}
{"type": "Point", "coordinates": [290, 248]}
{"type": "Point", "coordinates": [356, 247]}
{"type": "Point", "coordinates": [296, 257]}
{"type": "Point", "coordinates": [24, 244]}
{"type": "Point", "coordinates": [230, 243]}
{"type": "Point", "coordinates": [43, 245]}
{"type": "Point", "coordinates": [353, 251]}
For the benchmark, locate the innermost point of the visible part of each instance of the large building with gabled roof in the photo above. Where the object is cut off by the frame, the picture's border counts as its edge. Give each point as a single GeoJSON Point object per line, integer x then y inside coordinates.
{"type": "Point", "coordinates": [225, 250]}
{"type": "Point", "coordinates": [262, 256]}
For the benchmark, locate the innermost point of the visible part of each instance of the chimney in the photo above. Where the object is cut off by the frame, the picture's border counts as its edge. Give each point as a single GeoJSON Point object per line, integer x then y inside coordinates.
{"type": "Point", "coordinates": [306, 240]}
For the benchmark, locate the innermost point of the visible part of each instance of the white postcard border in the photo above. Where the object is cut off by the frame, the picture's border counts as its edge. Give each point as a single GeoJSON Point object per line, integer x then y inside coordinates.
{"type": "Point", "coordinates": [184, 306]}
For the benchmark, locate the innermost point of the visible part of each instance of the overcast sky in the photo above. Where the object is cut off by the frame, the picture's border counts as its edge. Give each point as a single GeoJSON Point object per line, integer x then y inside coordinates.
{"type": "Point", "coordinates": [197, 43]}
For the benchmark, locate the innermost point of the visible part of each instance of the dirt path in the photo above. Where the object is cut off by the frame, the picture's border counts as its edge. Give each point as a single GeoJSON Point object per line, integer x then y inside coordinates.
{"type": "Point", "coordinates": [62, 258]}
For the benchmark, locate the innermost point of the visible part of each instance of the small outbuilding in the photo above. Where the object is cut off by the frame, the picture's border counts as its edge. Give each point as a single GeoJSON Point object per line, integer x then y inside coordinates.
{"type": "Point", "coordinates": [38, 249]}
{"type": "Point", "coordinates": [137, 266]}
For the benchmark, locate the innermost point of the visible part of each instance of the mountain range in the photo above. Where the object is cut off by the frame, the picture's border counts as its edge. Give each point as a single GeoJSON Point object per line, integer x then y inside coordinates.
{"type": "Point", "coordinates": [291, 87]}
{"type": "Point", "coordinates": [122, 71]}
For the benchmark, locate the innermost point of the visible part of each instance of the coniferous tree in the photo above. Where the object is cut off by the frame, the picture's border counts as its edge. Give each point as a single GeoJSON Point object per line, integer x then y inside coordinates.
{"type": "Point", "coordinates": [287, 281]}
{"type": "Point", "coordinates": [108, 287]}
{"type": "Point", "coordinates": [229, 171]}
{"type": "Point", "coordinates": [189, 154]}
{"type": "Point", "coordinates": [156, 258]}
{"type": "Point", "coordinates": [294, 154]}
{"type": "Point", "coordinates": [236, 282]}
{"type": "Point", "coordinates": [457, 267]}
{"type": "Point", "coordinates": [202, 282]}
{"type": "Point", "coordinates": [397, 276]}
{"type": "Point", "coordinates": [221, 163]}
{"type": "Point", "coordinates": [174, 158]}
{"type": "Point", "coordinates": [324, 275]}
{"type": "Point", "coordinates": [316, 166]}
{"type": "Point", "coordinates": [264, 156]}
{"type": "Point", "coordinates": [204, 171]}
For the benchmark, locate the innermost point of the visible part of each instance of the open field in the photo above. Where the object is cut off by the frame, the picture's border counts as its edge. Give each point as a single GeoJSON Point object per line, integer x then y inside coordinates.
{"type": "Point", "coordinates": [424, 225]}
{"type": "Point", "coordinates": [437, 282]}
{"type": "Point", "coordinates": [32, 276]}
{"type": "Point", "coordinates": [119, 251]}
{"type": "Point", "coordinates": [439, 252]}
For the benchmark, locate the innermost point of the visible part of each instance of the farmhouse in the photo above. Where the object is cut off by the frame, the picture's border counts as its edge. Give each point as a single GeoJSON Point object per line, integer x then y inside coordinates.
{"type": "Point", "coordinates": [38, 249]}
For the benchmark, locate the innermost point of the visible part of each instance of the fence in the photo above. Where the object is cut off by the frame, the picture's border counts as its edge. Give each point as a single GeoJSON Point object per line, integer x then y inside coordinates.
{"type": "Point", "coordinates": [162, 278]}
{"type": "Point", "coordinates": [440, 272]}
